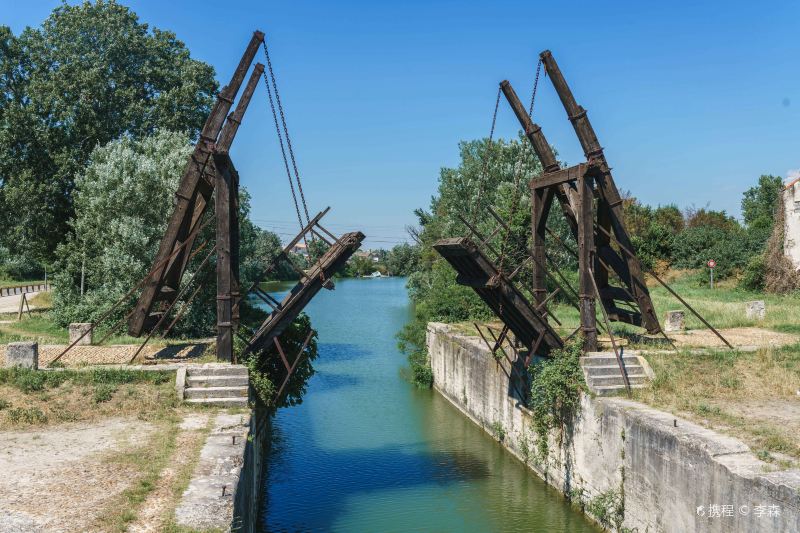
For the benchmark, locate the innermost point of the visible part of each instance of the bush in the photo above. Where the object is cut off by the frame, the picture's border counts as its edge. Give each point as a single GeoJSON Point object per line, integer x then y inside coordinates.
{"type": "Point", "coordinates": [556, 386]}
{"type": "Point", "coordinates": [267, 371]}
{"type": "Point", "coordinates": [754, 275]}
{"type": "Point", "coordinates": [103, 392]}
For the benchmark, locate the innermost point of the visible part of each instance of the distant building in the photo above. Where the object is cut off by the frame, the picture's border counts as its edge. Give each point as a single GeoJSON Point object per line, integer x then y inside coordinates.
{"type": "Point", "coordinates": [300, 249]}
{"type": "Point", "coordinates": [791, 212]}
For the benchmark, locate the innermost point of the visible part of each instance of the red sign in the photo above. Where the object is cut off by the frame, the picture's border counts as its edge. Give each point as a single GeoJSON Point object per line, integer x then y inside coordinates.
{"type": "Point", "coordinates": [711, 263]}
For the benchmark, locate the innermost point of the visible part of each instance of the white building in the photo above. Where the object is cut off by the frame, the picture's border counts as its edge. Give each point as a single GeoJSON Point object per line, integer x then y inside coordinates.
{"type": "Point", "coordinates": [791, 213]}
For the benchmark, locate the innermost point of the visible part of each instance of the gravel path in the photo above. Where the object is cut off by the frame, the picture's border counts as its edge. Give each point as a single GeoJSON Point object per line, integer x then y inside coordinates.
{"type": "Point", "coordinates": [56, 479]}
{"type": "Point", "coordinates": [10, 304]}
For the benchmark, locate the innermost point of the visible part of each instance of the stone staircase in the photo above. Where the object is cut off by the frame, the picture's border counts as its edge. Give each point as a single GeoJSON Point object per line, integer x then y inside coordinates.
{"type": "Point", "coordinates": [218, 384]}
{"type": "Point", "coordinates": [603, 375]}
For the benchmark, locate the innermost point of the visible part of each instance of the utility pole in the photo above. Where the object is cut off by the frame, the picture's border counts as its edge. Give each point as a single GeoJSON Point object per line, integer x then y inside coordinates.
{"type": "Point", "coordinates": [83, 270]}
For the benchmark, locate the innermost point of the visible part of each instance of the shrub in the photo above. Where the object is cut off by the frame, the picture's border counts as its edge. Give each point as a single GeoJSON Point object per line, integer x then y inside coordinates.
{"type": "Point", "coordinates": [753, 277]}
{"type": "Point", "coordinates": [267, 371]}
{"type": "Point", "coordinates": [103, 392]}
{"type": "Point", "coordinates": [556, 386]}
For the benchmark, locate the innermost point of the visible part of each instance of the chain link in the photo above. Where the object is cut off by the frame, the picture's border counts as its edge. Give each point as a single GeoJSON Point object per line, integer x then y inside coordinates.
{"type": "Point", "coordinates": [535, 85]}
{"type": "Point", "coordinates": [286, 130]}
{"type": "Point", "coordinates": [487, 156]}
{"type": "Point", "coordinates": [517, 173]}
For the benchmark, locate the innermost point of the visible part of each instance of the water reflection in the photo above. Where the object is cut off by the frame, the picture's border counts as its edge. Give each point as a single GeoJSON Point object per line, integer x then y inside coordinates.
{"type": "Point", "coordinates": [366, 451]}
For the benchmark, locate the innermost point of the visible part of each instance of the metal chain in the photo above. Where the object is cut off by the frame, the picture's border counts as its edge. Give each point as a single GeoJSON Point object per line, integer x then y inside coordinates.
{"type": "Point", "coordinates": [283, 149]}
{"type": "Point", "coordinates": [286, 130]}
{"type": "Point", "coordinates": [486, 157]}
{"type": "Point", "coordinates": [517, 173]}
{"type": "Point", "coordinates": [283, 153]}
{"type": "Point", "coordinates": [535, 85]}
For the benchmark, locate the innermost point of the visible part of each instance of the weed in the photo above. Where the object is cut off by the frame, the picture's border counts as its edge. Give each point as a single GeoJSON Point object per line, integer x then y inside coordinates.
{"type": "Point", "coordinates": [607, 508]}
{"type": "Point", "coordinates": [705, 409]}
{"type": "Point", "coordinates": [30, 415]}
{"type": "Point", "coordinates": [498, 431]}
{"type": "Point", "coordinates": [4, 404]}
{"type": "Point", "coordinates": [103, 392]}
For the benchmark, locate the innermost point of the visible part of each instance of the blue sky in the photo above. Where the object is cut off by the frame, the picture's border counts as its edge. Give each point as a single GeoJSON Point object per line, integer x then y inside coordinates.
{"type": "Point", "coordinates": [692, 101]}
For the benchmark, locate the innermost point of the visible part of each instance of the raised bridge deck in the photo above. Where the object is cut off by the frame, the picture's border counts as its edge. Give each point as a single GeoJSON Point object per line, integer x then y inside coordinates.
{"type": "Point", "coordinates": [506, 301]}
{"type": "Point", "coordinates": [317, 277]}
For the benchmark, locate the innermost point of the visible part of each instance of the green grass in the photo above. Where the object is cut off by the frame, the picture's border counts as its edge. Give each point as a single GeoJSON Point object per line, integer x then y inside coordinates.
{"type": "Point", "coordinates": [722, 307]}
{"type": "Point", "coordinates": [29, 381]}
{"type": "Point", "coordinates": [729, 390]}
{"type": "Point", "coordinates": [39, 327]}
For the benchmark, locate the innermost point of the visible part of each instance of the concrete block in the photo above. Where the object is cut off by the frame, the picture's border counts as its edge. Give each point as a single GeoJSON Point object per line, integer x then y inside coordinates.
{"type": "Point", "coordinates": [79, 328]}
{"type": "Point", "coordinates": [756, 310]}
{"type": "Point", "coordinates": [675, 321]}
{"type": "Point", "coordinates": [24, 354]}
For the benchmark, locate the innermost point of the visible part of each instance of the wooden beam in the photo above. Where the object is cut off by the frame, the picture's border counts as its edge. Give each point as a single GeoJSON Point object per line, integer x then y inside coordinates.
{"type": "Point", "coordinates": [558, 177]}
{"type": "Point", "coordinates": [605, 185]}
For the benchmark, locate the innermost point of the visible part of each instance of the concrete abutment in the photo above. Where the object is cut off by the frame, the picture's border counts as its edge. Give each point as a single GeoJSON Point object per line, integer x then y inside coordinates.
{"type": "Point", "coordinates": [655, 472]}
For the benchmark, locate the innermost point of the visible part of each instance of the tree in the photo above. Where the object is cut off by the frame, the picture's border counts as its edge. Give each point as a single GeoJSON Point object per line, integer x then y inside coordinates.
{"type": "Point", "coordinates": [122, 204]}
{"type": "Point", "coordinates": [90, 74]}
{"type": "Point", "coordinates": [402, 260]}
{"type": "Point", "coordinates": [760, 202]}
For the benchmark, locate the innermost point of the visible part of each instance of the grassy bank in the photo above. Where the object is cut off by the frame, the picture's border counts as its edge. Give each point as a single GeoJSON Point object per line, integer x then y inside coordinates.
{"type": "Point", "coordinates": [752, 395]}
{"type": "Point", "coordinates": [723, 307]}
{"type": "Point", "coordinates": [36, 398]}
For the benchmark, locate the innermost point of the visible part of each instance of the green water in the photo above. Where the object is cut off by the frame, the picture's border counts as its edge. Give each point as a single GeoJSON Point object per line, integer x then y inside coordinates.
{"type": "Point", "coordinates": [367, 451]}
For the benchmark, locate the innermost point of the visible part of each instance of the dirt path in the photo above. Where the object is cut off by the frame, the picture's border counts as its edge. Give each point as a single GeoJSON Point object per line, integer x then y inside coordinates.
{"type": "Point", "coordinates": [154, 510]}
{"type": "Point", "coordinates": [739, 337]}
{"type": "Point", "coordinates": [57, 479]}
{"type": "Point", "coordinates": [10, 304]}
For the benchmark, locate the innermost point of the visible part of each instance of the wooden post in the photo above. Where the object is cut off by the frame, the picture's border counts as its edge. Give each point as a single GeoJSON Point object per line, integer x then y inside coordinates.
{"type": "Point", "coordinates": [609, 193]}
{"type": "Point", "coordinates": [541, 200]}
{"type": "Point", "coordinates": [585, 258]}
{"type": "Point", "coordinates": [222, 203]}
{"type": "Point", "coordinates": [190, 201]}
{"type": "Point", "coordinates": [234, 217]}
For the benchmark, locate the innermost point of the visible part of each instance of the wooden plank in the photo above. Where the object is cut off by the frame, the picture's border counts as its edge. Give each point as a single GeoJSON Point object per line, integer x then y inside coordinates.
{"type": "Point", "coordinates": [222, 206]}
{"type": "Point", "coordinates": [585, 255]}
{"type": "Point", "coordinates": [505, 301]}
{"type": "Point", "coordinates": [541, 202]}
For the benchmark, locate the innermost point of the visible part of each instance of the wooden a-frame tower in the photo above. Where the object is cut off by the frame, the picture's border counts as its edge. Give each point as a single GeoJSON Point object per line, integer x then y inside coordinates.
{"type": "Point", "coordinates": [592, 205]}
{"type": "Point", "coordinates": [211, 171]}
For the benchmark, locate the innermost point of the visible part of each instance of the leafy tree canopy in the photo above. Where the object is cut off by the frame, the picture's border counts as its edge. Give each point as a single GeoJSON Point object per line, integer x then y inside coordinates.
{"type": "Point", "coordinates": [122, 203]}
{"type": "Point", "coordinates": [91, 73]}
{"type": "Point", "coordinates": [759, 202]}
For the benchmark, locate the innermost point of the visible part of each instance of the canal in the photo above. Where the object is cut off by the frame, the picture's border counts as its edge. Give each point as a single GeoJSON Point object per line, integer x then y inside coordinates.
{"type": "Point", "coordinates": [367, 451]}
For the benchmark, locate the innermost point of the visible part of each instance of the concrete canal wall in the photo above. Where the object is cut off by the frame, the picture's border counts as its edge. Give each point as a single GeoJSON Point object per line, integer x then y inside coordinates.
{"type": "Point", "coordinates": [633, 466]}
{"type": "Point", "coordinates": [226, 489]}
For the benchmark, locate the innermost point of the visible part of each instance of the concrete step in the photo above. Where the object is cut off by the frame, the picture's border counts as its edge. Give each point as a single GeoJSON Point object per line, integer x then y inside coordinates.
{"type": "Point", "coordinates": [217, 381]}
{"type": "Point", "coordinates": [219, 402]}
{"type": "Point", "coordinates": [614, 389]}
{"type": "Point", "coordinates": [613, 370]}
{"type": "Point", "coordinates": [191, 393]}
{"type": "Point", "coordinates": [604, 381]}
{"type": "Point", "coordinates": [608, 360]}
{"type": "Point", "coordinates": [218, 369]}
